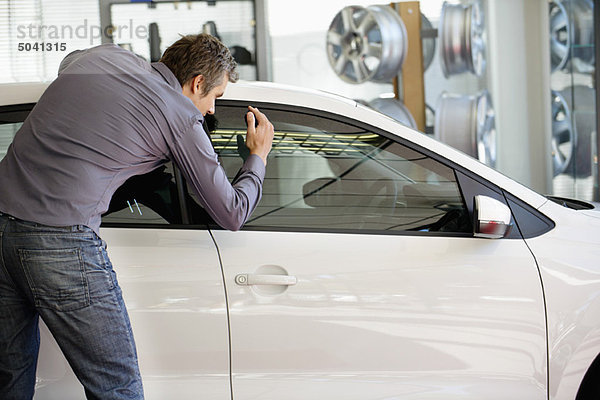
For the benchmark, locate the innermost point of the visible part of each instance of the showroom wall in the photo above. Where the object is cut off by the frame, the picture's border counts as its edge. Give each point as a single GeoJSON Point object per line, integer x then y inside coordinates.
{"type": "Point", "coordinates": [519, 81]}
{"type": "Point", "coordinates": [515, 75]}
{"type": "Point", "coordinates": [22, 21]}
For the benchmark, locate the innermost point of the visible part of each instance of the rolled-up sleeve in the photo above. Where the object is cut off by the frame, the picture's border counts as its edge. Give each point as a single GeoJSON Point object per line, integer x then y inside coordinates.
{"type": "Point", "coordinates": [229, 204]}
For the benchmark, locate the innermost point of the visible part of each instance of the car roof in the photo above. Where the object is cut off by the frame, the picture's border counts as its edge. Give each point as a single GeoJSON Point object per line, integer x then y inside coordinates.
{"type": "Point", "coordinates": [256, 92]}
{"type": "Point", "coordinates": [21, 93]}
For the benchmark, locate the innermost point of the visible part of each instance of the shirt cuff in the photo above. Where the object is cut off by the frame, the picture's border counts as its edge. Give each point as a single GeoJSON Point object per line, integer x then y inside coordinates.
{"type": "Point", "coordinates": [255, 164]}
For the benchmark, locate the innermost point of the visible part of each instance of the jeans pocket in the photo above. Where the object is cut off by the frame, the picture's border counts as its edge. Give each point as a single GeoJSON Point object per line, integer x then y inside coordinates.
{"type": "Point", "coordinates": [99, 272]}
{"type": "Point", "coordinates": [56, 277]}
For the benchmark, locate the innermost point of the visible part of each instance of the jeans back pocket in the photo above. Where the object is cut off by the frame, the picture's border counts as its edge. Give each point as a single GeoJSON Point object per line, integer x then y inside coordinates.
{"type": "Point", "coordinates": [56, 277]}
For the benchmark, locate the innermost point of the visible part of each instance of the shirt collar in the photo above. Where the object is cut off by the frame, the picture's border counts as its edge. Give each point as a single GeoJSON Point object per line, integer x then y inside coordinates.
{"type": "Point", "coordinates": [167, 75]}
{"type": "Point", "coordinates": [170, 78]}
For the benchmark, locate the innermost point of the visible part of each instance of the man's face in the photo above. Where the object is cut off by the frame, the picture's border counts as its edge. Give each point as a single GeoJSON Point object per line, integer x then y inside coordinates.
{"type": "Point", "coordinates": [205, 102]}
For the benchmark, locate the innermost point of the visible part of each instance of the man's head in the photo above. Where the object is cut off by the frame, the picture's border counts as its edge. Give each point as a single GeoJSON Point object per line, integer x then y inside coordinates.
{"type": "Point", "coordinates": [203, 66]}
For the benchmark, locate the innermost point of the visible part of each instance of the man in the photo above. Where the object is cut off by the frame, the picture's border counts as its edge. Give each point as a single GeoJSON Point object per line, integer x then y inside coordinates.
{"type": "Point", "coordinates": [107, 117]}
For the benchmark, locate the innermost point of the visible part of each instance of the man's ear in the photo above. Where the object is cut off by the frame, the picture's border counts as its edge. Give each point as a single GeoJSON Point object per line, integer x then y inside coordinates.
{"type": "Point", "coordinates": [197, 83]}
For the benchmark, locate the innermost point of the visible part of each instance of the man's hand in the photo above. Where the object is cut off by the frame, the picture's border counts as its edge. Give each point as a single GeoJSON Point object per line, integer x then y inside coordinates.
{"type": "Point", "coordinates": [259, 138]}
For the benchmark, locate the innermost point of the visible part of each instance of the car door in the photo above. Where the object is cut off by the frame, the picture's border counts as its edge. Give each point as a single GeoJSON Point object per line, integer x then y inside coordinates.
{"type": "Point", "coordinates": [358, 276]}
{"type": "Point", "coordinates": [172, 285]}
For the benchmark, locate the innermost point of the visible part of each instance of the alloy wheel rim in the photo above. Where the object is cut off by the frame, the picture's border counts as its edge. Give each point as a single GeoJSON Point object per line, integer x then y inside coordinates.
{"type": "Point", "coordinates": [366, 44]}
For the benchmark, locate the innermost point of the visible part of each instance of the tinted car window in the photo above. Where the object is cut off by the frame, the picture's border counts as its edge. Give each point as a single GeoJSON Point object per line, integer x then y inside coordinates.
{"type": "Point", "coordinates": [146, 199]}
{"type": "Point", "coordinates": [327, 175]}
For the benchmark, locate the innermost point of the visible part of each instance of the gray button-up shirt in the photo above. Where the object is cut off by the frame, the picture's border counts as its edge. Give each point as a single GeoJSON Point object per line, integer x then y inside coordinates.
{"type": "Point", "coordinates": [107, 117]}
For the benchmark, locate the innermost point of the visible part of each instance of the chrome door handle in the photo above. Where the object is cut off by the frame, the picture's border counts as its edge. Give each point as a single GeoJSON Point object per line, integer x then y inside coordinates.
{"type": "Point", "coordinates": [280, 280]}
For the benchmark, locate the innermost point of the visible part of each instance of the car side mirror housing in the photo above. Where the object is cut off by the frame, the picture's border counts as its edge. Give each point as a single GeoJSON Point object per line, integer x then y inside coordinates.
{"type": "Point", "coordinates": [491, 218]}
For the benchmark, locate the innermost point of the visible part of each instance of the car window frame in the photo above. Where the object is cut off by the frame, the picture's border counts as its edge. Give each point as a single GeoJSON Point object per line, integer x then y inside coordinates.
{"type": "Point", "coordinates": [12, 109]}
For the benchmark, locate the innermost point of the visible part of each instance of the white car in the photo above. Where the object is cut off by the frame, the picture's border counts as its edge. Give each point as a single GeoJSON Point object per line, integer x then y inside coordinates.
{"type": "Point", "coordinates": [379, 264]}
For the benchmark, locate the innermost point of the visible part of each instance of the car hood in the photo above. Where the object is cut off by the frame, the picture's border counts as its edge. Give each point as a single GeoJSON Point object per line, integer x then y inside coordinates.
{"type": "Point", "coordinates": [595, 213]}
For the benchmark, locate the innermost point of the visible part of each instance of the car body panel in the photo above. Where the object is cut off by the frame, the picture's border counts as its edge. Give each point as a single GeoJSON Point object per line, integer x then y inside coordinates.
{"type": "Point", "coordinates": [570, 268]}
{"type": "Point", "coordinates": [21, 93]}
{"type": "Point", "coordinates": [173, 288]}
{"type": "Point", "coordinates": [425, 315]}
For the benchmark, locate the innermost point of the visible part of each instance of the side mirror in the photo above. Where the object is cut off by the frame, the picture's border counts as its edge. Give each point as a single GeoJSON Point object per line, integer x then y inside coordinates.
{"type": "Point", "coordinates": [490, 217]}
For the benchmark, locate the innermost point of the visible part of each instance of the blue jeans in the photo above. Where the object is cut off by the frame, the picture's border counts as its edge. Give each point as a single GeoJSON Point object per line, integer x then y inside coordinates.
{"type": "Point", "coordinates": [63, 274]}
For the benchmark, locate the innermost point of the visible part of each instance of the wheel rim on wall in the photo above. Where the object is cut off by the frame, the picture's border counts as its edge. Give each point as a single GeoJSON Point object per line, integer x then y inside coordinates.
{"type": "Point", "coordinates": [581, 101]}
{"type": "Point", "coordinates": [462, 39]}
{"type": "Point", "coordinates": [428, 43]}
{"type": "Point", "coordinates": [583, 56]}
{"type": "Point", "coordinates": [572, 35]}
{"type": "Point", "coordinates": [395, 109]}
{"type": "Point", "coordinates": [563, 138]}
{"type": "Point", "coordinates": [367, 44]}
{"type": "Point", "coordinates": [486, 129]}
{"type": "Point", "coordinates": [467, 123]}
{"type": "Point", "coordinates": [559, 35]}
